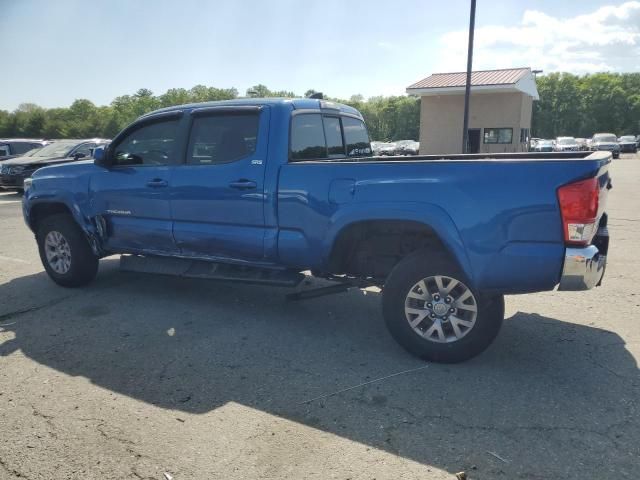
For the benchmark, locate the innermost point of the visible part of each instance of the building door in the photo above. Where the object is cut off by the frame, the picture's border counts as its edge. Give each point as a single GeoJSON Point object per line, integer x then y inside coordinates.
{"type": "Point", "coordinates": [473, 137]}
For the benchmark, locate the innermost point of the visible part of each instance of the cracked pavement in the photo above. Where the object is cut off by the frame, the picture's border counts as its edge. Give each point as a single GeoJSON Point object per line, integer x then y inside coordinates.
{"type": "Point", "coordinates": [136, 375]}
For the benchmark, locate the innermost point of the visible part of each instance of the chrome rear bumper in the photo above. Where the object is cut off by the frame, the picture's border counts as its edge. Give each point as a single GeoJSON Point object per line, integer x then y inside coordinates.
{"type": "Point", "coordinates": [583, 268]}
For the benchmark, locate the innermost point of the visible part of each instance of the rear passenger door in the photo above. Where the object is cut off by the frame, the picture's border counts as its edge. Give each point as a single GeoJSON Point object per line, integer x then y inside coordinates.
{"type": "Point", "coordinates": [218, 193]}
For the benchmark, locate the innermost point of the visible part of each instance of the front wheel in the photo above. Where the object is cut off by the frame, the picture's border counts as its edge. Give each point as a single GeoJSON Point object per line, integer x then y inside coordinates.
{"type": "Point", "coordinates": [431, 310]}
{"type": "Point", "coordinates": [65, 252]}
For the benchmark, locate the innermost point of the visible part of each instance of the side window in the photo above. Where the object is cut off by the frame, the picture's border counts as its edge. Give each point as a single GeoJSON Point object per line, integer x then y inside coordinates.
{"type": "Point", "coordinates": [84, 149]}
{"type": "Point", "coordinates": [333, 132]}
{"type": "Point", "coordinates": [4, 150]}
{"type": "Point", "coordinates": [356, 137]}
{"type": "Point", "coordinates": [150, 144]}
{"type": "Point", "coordinates": [21, 147]}
{"type": "Point", "coordinates": [307, 137]}
{"type": "Point", "coordinates": [222, 138]}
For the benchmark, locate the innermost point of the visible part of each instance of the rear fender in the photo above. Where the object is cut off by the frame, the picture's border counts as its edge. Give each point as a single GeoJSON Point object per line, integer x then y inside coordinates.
{"type": "Point", "coordinates": [427, 214]}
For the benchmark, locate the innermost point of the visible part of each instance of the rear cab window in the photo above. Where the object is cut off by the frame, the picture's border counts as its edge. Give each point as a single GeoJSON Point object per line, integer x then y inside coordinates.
{"type": "Point", "coordinates": [318, 136]}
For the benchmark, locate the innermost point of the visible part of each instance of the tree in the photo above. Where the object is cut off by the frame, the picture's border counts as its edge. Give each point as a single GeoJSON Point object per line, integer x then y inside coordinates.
{"type": "Point", "coordinates": [568, 105]}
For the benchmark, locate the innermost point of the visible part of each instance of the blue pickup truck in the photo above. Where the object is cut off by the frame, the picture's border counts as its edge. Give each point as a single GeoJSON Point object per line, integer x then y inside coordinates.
{"type": "Point", "coordinates": [261, 190]}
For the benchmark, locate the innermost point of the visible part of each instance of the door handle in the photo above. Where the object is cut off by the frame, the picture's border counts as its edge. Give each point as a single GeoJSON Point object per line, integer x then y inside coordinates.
{"type": "Point", "coordinates": [157, 183]}
{"type": "Point", "coordinates": [243, 184]}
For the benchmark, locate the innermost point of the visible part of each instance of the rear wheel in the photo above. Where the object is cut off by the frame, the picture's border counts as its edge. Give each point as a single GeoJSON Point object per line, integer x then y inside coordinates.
{"type": "Point", "coordinates": [65, 252]}
{"type": "Point", "coordinates": [431, 310]}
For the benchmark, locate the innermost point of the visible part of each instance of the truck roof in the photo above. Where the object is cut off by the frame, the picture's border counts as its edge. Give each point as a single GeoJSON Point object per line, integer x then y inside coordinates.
{"type": "Point", "coordinates": [296, 104]}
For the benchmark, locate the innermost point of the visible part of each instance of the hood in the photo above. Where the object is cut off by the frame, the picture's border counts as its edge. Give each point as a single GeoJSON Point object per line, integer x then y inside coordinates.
{"type": "Point", "coordinates": [63, 169]}
{"type": "Point", "coordinates": [37, 160]}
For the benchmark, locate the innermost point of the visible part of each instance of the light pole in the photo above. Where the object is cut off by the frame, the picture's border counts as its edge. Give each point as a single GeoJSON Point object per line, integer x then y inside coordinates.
{"type": "Point", "coordinates": [533, 115]}
{"type": "Point", "coordinates": [467, 89]}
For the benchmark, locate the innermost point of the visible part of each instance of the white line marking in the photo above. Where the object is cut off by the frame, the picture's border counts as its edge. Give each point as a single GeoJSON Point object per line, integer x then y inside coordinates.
{"type": "Point", "coordinates": [10, 259]}
{"type": "Point", "coordinates": [6, 202]}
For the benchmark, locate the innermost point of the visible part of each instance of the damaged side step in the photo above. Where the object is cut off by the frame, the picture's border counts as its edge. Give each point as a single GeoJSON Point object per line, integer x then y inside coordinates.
{"type": "Point", "coordinates": [182, 267]}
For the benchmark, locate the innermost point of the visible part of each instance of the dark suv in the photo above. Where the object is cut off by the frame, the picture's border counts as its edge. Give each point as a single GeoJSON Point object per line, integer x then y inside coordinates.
{"type": "Point", "coordinates": [15, 170]}
{"type": "Point", "coordinates": [13, 147]}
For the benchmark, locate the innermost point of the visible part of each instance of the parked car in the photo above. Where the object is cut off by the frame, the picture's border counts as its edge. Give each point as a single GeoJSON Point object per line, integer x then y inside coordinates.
{"type": "Point", "coordinates": [407, 147]}
{"type": "Point", "coordinates": [15, 170]}
{"type": "Point", "coordinates": [607, 142]}
{"type": "Point", "coordinates": [532, 143]}
{"type": "Point", "coordinates": [628, 143]}
{"type": "Point", "coordinates": [543, 145]}
{"type": "Point", "coordinates": [566, 144]}
{"type": "Point", "coordinates": [387, 149]}
{"type": "Point", "coordinates": [14, 147]}
{"type": "Point", "coordinates": [583, 146]}
{"type": "Point", "coordinates": [260, 190]}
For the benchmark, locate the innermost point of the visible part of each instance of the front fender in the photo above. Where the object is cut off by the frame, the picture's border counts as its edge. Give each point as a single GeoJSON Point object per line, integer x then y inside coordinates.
{"type": "Point", "coordinates": [427, 214]}
{"type": "Point", "coordinates": [76, 203]}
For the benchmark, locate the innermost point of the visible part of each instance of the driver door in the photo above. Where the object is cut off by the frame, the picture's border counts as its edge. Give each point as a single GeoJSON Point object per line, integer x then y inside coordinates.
{"type": "Point", "coordinates": [132, 195]}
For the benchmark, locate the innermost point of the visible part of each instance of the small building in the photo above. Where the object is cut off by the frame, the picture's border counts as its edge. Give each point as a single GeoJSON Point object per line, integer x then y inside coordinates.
{"type": "Point", "coordinates": [500, 109]}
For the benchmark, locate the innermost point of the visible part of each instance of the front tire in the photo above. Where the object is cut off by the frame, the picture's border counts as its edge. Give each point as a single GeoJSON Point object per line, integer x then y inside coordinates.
{"type": "Point", "coordinates": [65, 252]}
{"type": "Point", "coordinates": [433, 313]}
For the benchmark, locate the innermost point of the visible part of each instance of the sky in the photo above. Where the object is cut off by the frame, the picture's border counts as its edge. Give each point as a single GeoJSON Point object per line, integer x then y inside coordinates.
{"type": "Point", "coordinates": [53, 52]}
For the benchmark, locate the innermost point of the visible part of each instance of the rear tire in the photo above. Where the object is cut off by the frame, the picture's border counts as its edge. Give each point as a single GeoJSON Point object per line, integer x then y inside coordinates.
{"type": "Point", "coordinates": [458, 336]}
{"type": "Point", "coordinates": [65, 252]}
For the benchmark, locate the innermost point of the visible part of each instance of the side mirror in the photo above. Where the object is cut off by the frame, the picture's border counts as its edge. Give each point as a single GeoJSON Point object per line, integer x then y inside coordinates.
{"type": "Point", "coordinates": [101, 157]}
{"type": "Point", "coordinates": [98, 153]}
{"type": "Point", "coordinates": [78, 156]}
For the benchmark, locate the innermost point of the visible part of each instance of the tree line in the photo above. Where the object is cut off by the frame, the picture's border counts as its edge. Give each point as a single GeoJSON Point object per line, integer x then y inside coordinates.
{"type": "Point", "coordinates": [569, 105]}
{"type": "Point", "coordinates": [579, 106]}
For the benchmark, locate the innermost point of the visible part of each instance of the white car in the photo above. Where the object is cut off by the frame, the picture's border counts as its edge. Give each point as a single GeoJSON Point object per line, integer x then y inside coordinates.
{"type": "Point", "coordinates": [566, 144]}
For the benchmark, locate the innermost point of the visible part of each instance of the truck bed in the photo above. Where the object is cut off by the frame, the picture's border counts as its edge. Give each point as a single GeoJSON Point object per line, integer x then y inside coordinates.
{"type": "Point", "coordinates": [510, 157]}
{"type": "Point", "coordinates": [493, 212]}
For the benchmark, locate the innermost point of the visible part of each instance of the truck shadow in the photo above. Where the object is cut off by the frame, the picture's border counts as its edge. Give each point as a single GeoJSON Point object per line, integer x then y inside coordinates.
{"type": "Point", "coordinates": [194, 346]}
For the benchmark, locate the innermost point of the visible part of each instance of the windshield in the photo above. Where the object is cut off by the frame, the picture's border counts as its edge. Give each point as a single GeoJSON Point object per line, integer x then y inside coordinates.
{"type": "Point", "coordinates": [628, 138]}
{"type": "Point", "coordinates": [566, 141]}
{"type": "Point", "coordinates": [57, 149]}
{"type": "Point", "coordinates": [605, 137]}
{"type": "Point", "coordinates": [545, 142]}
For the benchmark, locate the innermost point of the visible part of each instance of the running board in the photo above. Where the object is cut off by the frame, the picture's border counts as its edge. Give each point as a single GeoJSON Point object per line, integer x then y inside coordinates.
{"type": "Point", "coordinates": [182, 267]}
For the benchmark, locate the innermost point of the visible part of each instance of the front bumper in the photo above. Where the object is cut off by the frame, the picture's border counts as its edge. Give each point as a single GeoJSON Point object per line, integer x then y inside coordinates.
{"type": "Point", "coordinates": [583, 268]}
{"type": "Point", "coordinates": [12, 181]}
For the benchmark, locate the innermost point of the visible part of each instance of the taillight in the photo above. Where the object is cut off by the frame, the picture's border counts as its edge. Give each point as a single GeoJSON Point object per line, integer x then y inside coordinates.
{"type": "Point", "coordinates": [579, 208]}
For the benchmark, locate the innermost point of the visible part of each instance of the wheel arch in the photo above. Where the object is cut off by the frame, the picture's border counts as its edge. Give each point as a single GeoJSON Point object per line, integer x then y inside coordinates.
{"type": "Point", "coordinates": [426, 221]}
{"type": "Point", "coordinates": [41, 208]}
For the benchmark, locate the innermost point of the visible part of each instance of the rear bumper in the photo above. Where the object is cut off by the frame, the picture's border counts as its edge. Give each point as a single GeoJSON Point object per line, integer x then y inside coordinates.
{"type": "Point", "coordinates": [583, 268]}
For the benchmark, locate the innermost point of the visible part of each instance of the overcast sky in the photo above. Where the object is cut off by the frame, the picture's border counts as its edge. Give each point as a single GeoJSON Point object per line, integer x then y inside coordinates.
{"type": "Point", "coordinates": [53, 52]}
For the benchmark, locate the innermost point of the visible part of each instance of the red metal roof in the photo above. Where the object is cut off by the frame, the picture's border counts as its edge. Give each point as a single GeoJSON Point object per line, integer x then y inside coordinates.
{"type": "Point", "coordinates": [483, 77]}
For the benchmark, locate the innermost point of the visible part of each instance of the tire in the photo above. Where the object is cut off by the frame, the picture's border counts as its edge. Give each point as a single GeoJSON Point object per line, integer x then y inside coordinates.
{"type": "Point", "coordinates": [471, 335]}
{"type": "Point", "coordinates": [73, 264]}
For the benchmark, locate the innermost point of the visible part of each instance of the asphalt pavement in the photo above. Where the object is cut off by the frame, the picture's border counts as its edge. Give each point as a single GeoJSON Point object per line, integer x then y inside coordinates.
{"type": "Point", "coordinates": [152, 377]}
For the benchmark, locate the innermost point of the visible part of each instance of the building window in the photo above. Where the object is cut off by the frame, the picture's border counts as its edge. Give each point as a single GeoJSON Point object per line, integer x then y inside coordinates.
{"type": "Point", "coordinates": [498, 135]}
{"type": "Point", "coordinates": [524, 135]}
